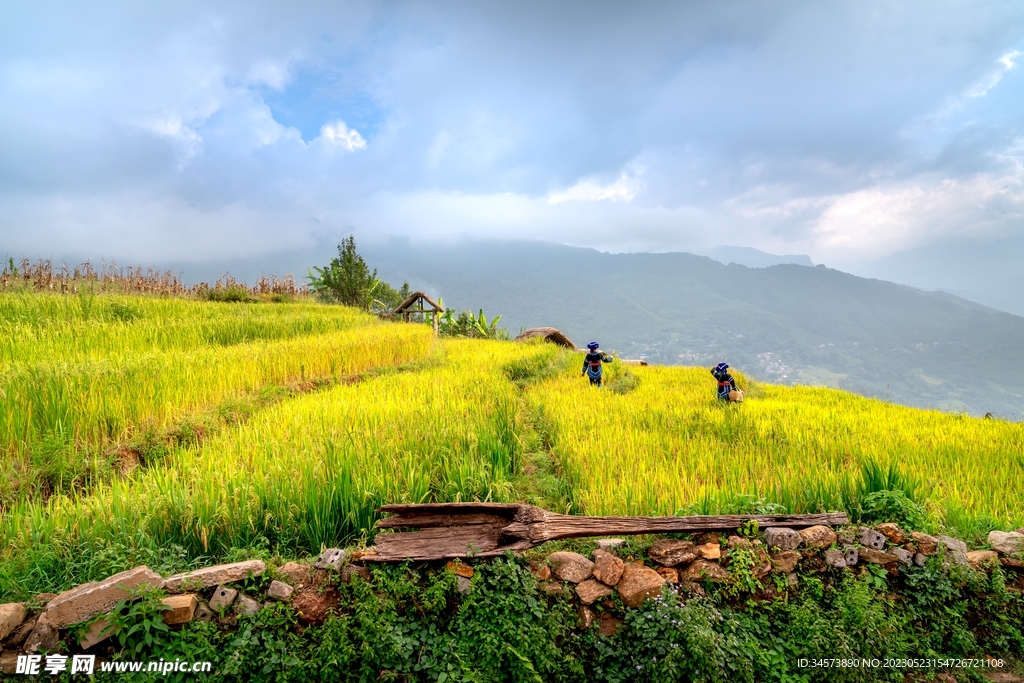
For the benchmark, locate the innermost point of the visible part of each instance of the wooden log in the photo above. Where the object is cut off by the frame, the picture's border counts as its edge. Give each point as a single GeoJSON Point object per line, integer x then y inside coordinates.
{"type": "Point", "coordinates": [555, 526]}
{"type": "Point", "coordinates": [459, 530]}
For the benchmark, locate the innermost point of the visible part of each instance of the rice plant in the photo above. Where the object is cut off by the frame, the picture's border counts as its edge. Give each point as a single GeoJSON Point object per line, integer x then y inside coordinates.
{"type": "Point", "coordinates": [304, 473]}
{"type": "Point", "coordinates": [93, 375]}
{"type": "Point", "coordinates": [669, 446]}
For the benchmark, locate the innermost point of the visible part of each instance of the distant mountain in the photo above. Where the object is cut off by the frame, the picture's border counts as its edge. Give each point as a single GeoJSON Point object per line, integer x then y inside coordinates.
{"type": "Point", "coordinates": [783, 323]}
{"type": "Point", "coordinates": [990, 274]}
{"type": "Point", "coordinates": [753, 258]}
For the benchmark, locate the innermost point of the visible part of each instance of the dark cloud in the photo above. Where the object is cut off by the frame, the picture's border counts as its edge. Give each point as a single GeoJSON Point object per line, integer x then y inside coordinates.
{"type": "Point", "coordinates": [845, 130]}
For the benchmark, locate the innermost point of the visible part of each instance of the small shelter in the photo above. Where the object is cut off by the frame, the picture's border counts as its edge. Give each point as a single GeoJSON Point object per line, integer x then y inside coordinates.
{"type": "Point", "coordinates": [550, 334]}
{"type": "Point", "coordinates": [420, 304]}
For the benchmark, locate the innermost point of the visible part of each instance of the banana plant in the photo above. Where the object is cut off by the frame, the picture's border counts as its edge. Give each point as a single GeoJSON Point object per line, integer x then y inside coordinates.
{"type": "Point", "coordinates": [485, 330]}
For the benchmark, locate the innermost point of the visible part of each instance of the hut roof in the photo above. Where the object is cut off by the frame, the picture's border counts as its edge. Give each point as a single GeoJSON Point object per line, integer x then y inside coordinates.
{"type": "Point", "coordinates": [413, 298]}
{"type": "Point", "coordinates": [550, 334]}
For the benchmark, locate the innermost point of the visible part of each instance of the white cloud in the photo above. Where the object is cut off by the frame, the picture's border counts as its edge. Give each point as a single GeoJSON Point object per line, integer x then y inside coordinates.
{"type": "Point", "coordinates": [589, 190]}
{"type": "Point", "coordinates": [338, 136]}
{"type": "Point", "coordinates": [1006, 64]}
{"type": "Point", "coordinates": [188, 141]}
{"type": "Point", "coordinates": [267, 72]}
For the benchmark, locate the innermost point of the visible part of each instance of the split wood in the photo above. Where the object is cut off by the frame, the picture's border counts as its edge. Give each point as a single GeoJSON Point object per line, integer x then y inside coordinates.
{"type": "Point", "coordinates": [453, 530]}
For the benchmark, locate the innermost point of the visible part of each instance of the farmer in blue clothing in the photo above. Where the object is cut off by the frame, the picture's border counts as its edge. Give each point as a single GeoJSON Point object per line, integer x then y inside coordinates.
{"type": "Point", "coordinates": [592, 367]}
{"type": "Point", "coordinates": [726, 383]}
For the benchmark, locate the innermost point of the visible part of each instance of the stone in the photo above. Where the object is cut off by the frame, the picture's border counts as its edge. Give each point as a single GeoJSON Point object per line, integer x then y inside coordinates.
{"type": "Point", "coordinates": [607, 625]}
{"type": "Point", "coordinates": [785, 562]}
{"type": "Point", "coordinates": [278, 590]}
{"type": "Point", "coordinates": [9, 662]}
{"type": "Point", "coordinates": [926, 545]}
{"type": "Point", "coordinates": [920, 559]}
{"type": "Point", "coordinates": [846, 536]}
{"type": "Point", "coordinates": [460, 569]}
{"type": "Point", "coordinates": [218, 575]}
{"type": "Point", "coordinates": [852, 555]}
{"type": "Point", "coordinates": [182, 608]}
{"type": "Point", "coordinates": [551, 588]}
{"type": "Point", "coordinates": [792, 580]}
{"type": "Point", "coordinates": [330, 560]}
{"type": "Point", "coordinates": [590, 591]}
{"type": "Point", "coordinates": [100, 630]}
{"type": "Point", "coordinates": [669, 552]}
{"type": "Point", "coordinates": [294, 573]}
{"type": "Point", "coordinates": [876, 556]}
{"type": "Point", "coordinates": [21, 633]}
{"type": "Point", "coordinates": [869, 538]}
{"type": "Point", "coordinates": [1006, 543]}
{"type": "Point", "coordinates": [952, 544]}
{"type": "Point", "coordinates": [903, 556]}
{"type": "Point", "coordinates": [709, 551]}
{"type": "Point", "coordinates": [245, 606]}
{"type": "Point", "coordinates": [355, 571]}
{"type": "Point", "coordinates": [313, 606]}
{"type": "Point", "coordinates": [568, 566]}
{"type": "Point", "coordinates": [609, 543]}
{"type": "Point", "coordinates": [703, 570]}
{"type": "Point", "coordinates": [956, 557]}
{"type": "Point", "coordinates": [835, 558]}
{"type": "Point", "coordinates": [980, 558]}
{"type": "Point", "coordinates": [587, 617]}
{"type": "Point", "coordinates": [817, 536]}
{"type": "Point", "coordinates": [763, 566]}
{"type": "Point", "coordinates": [223, 598]}
{"type": "Point", "coordinates": [12, 615]}
{"type": "Point", "coordinates": [43, 637]}
{"type": "Point", "coordinates": [607, 567]}
{"type": "Point", "coordinates": [638, 583]}
{"type": "Point", "coordinates": [91, 599]}
{"type": "Point", "coordinates": [1012, 563]}
{"type": "Point", "coordinates": [782, 538]}
{"type": "Point", "coordinates": [40, 602]}
{"type": "Point", "coordinates": [738, 542]}
{"type": "Point", "coordinates": [541, 572]}
{"type": "Point", "coordinates": [670, 574]}
{"type": "Point", "coordinates": [203, 612]}
{"type": "Point", "coordinates": [463, 585]}
{"type": "Point", "coordinates": [692, 587]}
{"type": "Point", "coordinates": [893, 532]}
{"type": "Point", "coordinates": [230, 620]}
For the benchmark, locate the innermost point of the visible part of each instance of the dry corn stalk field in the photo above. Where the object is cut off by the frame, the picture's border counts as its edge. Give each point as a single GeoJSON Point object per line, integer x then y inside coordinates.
{"type": "Point", "coordinates": [399, 416]}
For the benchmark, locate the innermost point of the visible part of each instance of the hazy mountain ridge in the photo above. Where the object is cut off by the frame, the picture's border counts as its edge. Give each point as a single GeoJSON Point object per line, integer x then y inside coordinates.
{"type": "Point", "coordinates": [785, 323]}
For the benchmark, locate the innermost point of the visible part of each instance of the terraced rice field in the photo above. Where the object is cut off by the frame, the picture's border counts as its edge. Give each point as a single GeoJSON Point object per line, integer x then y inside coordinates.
{"type": "Point", "coordinates": [399, 416]}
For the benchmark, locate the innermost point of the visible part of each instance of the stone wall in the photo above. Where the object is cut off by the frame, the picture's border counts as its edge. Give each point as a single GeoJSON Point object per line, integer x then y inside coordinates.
{"type": "Point", "coordinates": [44, 624]}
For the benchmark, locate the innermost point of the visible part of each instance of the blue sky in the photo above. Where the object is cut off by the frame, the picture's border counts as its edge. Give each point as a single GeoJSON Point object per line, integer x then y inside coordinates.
{"type": "Point", "coordinates": [192, 132]}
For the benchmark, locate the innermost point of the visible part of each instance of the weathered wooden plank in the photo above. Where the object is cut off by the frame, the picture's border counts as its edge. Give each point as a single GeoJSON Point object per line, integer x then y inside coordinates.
{"type": "Point", "coordinates": [442, 543]}
{"type": "Point", "coordinates": [451, 530]}
{"type": "Point", "coordinates": [423, 521]}
{"type": "Point", "coordinates": [556, 526]}
{"type": "Point", "coordinates": [504, 509]}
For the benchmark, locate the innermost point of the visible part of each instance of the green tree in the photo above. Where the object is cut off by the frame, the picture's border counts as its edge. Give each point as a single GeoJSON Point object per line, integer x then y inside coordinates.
{"type": "Point", "coordinates": [346, 279]}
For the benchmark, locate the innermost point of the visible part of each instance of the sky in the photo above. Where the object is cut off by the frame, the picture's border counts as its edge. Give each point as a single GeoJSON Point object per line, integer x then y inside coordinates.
{"type": "Point", "coordinates": [852, 132]}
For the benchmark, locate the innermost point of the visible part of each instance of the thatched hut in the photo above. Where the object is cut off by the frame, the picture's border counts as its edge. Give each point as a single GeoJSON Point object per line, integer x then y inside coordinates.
{"type": "Point", "coordinates": [550, 334]}
{"type": "Point", "coordinates": [421, 304]}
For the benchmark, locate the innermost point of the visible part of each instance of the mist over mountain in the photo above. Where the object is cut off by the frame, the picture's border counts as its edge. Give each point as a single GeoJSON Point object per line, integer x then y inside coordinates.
{"type": "Point", "coordinates": [783, 323]}
{"type": "Point", "coordinates": [989, 273]}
